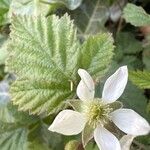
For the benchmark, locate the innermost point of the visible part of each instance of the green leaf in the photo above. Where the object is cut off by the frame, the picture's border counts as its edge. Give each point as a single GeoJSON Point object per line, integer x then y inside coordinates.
{"type": "Point", "coordinates": [96, 51]}
{"type": "Point", "coordinates": [39, 133]}
{"type": "Point", "coordinates": [126, 42]}
{"type": "Point", "coordinates": [18, 140]}
{"type": "Point", "coordinates": [134, 98]}
{"type": "Point", "coordinates": [14, 140]}
{"type": "Point", "coordinates": [28, 7]}
{"type": "Point", "coordinates": [91, 17]}
{"type": "Point", "coordinates": [10, 118]}
{"type": "Point", "coordinates": [71, 4]}
{"type": "Point", "coordinates": [45, 55]}
{"type": "Point", "coordinates": [37, 145]}
{"type": "Point", "coordinates": [4, 8]}
{"type": "Point", "coordinates": [146, 58]}
{"type": "Point", "coordinates": [140, 79]}
{"type": "Point", "coordinates": [136, 15]}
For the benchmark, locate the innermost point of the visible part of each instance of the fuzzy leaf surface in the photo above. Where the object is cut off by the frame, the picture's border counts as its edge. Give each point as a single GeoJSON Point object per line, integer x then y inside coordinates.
{"type": "Point", "coordinates": [140, 79]}
{"type": "Point", "coordinates": [44, 54]}
{"type": "Point", "coordinates": [136, 15]}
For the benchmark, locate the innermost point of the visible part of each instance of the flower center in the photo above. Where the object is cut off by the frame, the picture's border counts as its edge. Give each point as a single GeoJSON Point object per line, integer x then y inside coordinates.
{"type": "Point", "coordinates": [96, 112]}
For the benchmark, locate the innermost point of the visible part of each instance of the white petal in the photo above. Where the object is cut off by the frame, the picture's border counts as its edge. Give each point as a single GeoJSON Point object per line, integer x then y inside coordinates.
{"type": "Point", "coordinates": [85, 89]}
{"type": "Point", "coordinates": [130, 122]}
{"type": "Point", "coordinates": [126, 142]}
{"type": "Point", "coordinates": [68, 122]}
{"type": "Point", "coordinates": [106, 140]}
{"type": "Point", "coordinates": [115, 85]}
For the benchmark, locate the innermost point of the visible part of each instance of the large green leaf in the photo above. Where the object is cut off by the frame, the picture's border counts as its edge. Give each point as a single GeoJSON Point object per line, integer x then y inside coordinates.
{"type": "Point", "coordinates": [45, 56]}
{"type": "Point", "coordinates": [136, 15]}
{"type": "Point", "coordinates": [140, 79]}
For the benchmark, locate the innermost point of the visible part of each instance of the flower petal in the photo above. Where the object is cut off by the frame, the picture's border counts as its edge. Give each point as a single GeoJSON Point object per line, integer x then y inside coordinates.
{"type": "Point", "coordinates": [106, 140]}
{"type": "Point", "coordinates": [85, 89]}
{"type": "Point", "coordinates": [115, 85]}
{"type": "Point", "coordinates": [68, 122]}
{"type": "Point", "coordinates": [126, 142]}
{"type": "Point", "coordinates": [130, 122]}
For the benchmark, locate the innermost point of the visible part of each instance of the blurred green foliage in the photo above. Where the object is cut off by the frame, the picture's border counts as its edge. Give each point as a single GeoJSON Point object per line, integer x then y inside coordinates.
{"type": "Point", "coordinates": [23, 131]}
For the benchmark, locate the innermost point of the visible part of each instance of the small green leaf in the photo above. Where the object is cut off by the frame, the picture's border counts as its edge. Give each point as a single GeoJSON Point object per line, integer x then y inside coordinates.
{"type": "Point", "coordinates": [140, 78]}
{"type": "Point", "coordinates": [44, 54]}
{"type": "Point", "coordinates": [96, 51]}
{"type": "Point", "coordinates": [136, 15]}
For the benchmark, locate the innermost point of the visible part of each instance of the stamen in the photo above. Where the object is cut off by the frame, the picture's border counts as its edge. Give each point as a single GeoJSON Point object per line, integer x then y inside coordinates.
{"type": "Point", "coordinates": [96, 112]}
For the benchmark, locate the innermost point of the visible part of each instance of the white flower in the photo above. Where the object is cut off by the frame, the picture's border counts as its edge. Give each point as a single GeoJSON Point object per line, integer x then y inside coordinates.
{"type": "Point", "coordinates": [97, 112]}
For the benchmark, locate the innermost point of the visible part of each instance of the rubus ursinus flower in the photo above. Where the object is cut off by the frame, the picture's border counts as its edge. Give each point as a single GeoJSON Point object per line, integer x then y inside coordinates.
{"type": "Point", "coordinates": [97, 113]}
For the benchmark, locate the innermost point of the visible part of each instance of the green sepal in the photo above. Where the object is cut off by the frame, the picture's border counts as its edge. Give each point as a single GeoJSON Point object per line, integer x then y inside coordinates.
{"type": "Point", "coordinates": [76, 104]}
{"type": "Point", "coordinates": [87, 134]}
{"type": "Point", "coordinates": [116, 105]}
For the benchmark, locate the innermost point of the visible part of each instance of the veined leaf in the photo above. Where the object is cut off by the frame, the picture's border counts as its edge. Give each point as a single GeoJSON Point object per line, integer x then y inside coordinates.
{"type": "Point", "coordinates": [45, 56]}
{"type": "Point", "coordinates": [18, 140]}
{"type": "Point", "coordinates": [10, 118]}
{"type": "Point", "coordinates": [136, 15]}
{"type": "Point", "coordinates": [14, 140]}
{"type": "Point", "coordinates": [95, 50]}
{"type": "Point", "coordinates": [141, 79]}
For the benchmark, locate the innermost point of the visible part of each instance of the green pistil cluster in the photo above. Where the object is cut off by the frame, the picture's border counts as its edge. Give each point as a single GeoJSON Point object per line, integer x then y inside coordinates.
{"type": "Point", "coordinates": [96, 112]}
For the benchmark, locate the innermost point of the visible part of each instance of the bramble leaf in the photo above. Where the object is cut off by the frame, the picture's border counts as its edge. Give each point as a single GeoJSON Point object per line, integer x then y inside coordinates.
{"type": "Point", "coordinates": [140, 79]}
{"type": "Point", "coordinates": [136, 15]}
{"type": "Point", "coordinates": [45, 54]}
